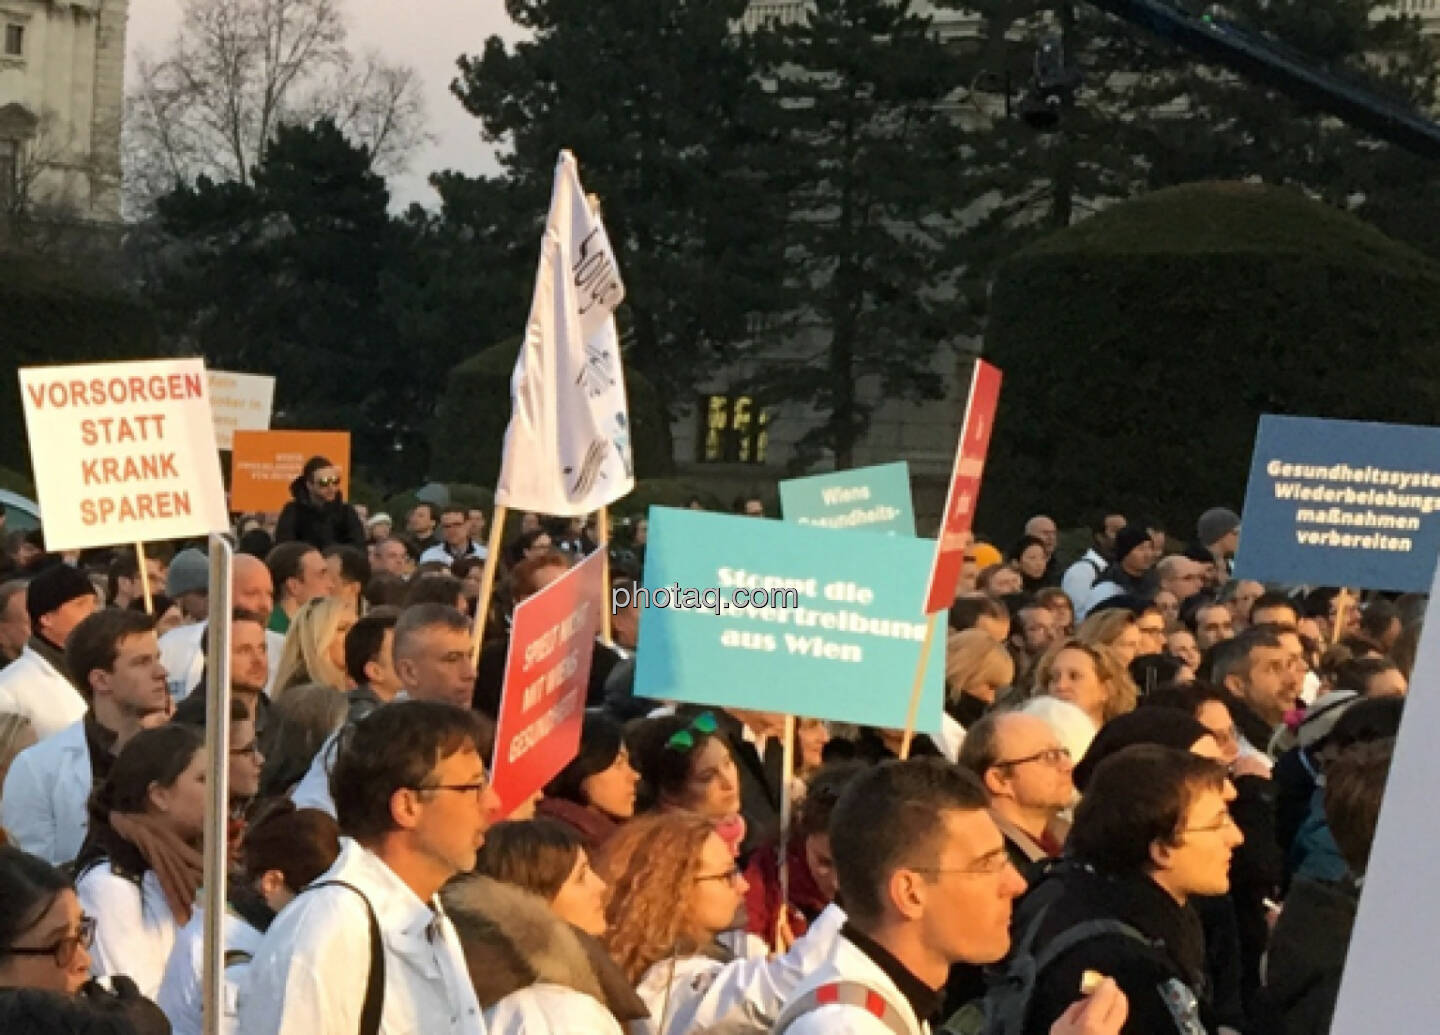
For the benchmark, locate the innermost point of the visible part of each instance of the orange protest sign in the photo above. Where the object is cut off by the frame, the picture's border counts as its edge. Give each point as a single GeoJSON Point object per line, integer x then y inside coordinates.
{"type": "Point", "coordinates": [264, 463]}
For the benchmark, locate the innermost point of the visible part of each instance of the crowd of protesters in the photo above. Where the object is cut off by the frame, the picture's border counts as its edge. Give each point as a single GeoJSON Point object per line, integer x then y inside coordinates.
{"type": "Point", "coordinates": [1149, 810]}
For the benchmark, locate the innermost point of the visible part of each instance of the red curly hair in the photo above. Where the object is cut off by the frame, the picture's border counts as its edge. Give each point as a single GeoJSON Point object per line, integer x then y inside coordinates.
{"type": "Point", "coordinates": [651, 865]}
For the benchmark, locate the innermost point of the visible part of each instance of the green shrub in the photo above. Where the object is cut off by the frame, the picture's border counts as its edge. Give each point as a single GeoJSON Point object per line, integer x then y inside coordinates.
{"type": "Point", "coordinates": [1141, 346]}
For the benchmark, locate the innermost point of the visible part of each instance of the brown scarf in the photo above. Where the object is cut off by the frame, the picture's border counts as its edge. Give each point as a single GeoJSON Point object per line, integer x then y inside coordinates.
{"type": "Point", "coordinates": [178, 866]}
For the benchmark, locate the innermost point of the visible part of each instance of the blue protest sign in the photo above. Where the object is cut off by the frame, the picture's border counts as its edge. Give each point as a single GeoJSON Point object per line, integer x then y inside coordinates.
{"type": "Point", "coordinates": [873, 499]}
{"type": "Point", "coordinates": [745, 613]}
{"type": "Point", "coordinates": [1342, 503]}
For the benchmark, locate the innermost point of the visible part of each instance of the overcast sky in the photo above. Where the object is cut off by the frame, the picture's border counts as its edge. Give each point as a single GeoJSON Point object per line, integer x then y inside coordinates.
{"type": "Point", "coordinates": [427, 34]}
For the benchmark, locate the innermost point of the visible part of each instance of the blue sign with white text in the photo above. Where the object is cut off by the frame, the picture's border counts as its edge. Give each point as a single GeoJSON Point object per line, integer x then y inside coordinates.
{"type": "Point", "coordinates": [1342, 503]}
{"type": "Point", "coordinates": [740, 612]}
{"type": "Point", "coordinates": [873, 499]}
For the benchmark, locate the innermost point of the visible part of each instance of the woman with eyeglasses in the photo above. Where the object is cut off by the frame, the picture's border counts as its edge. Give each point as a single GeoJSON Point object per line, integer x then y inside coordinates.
{"type": "Point", "coordinates": [314, 650]}
{"type": "Point", "coordinates": [674, 888]}
{"type": "Point", "coordinates": [45, 940]}
{"type": "Point", "coordinates": [284, 849]}
{"type": "Point", "coordinates": [317, 512]}
{"type": "Point", "coordinates": [141, 865]}
{"type": "Point", "coordinates": [685, 765]}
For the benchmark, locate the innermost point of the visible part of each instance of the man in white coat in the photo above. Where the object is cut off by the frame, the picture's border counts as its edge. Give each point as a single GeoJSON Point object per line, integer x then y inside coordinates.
{"type": "Point", "coordinates": [251, 589]}
{"type": "Point", "coordinates": [36, 685]}
{"type": "Point", "coordinates": [927, 883]}
{"type": "Point", "coordinates": [43, 806]}
{"type": "Point", "coordinates": [414, 804]}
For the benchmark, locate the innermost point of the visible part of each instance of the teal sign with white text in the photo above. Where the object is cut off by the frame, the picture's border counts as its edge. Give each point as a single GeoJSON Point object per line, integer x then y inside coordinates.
{"type": "Point", "coordinates": [775, 616]}
{"type": "Point", "coordinates": [871, 499]}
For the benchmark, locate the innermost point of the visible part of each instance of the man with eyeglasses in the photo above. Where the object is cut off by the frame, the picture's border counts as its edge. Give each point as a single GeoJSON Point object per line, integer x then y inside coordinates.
{"type": "Point", "coordinates": [317, 512]}
{"type": "Point", "coordinates": [455, 540]}
{"type": "Point", "coordinates": [1026, 772]}
{"type": "Point", "coordinates": [926, 883]}
{"type": "Point", "coordinates": [1153, 830]}
{"type": "Point", "coordinates": [369, 940]}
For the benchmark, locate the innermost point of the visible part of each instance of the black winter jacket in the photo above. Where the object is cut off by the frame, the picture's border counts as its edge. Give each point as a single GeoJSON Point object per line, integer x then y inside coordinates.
{"type": "Point", "coordinates": [1163, 977]}
{"type": "Point", "coordinates": [322, 525]}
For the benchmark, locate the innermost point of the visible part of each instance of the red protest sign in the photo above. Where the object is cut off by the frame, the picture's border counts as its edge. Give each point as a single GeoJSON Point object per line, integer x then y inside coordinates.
{"type": "Point", "coordinates": [964, 487]}
{"type": "Point", "coordinates": [552, 640]}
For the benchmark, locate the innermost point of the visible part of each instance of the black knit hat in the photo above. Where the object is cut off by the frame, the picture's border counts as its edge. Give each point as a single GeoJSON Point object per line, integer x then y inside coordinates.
{"type": "Point", "coordinates": [52, 589]}
{"type": "Point", "coordinates": [1167, 727]}
{"type": "Point", "coordinates": [1128, 538]}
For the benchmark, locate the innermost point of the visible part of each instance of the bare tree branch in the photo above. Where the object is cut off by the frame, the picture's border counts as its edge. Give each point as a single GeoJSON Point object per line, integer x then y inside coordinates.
{"type": "Point", "coordinates": [238, 69]}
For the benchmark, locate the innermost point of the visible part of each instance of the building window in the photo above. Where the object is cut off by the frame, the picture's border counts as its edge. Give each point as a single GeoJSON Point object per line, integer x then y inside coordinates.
{"type": "Point", "coordinates": [14, 40]}
{"type": "Point", "coordinates": [9, 173]}
{"type": "Point", "coordinates": [732, 430]}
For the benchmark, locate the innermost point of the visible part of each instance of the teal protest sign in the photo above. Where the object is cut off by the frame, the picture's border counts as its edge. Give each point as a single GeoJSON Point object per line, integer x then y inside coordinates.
{"type": "Point", "coordinates": [744, 613]}
{"type": "Point", "coordinates": [873, 499]}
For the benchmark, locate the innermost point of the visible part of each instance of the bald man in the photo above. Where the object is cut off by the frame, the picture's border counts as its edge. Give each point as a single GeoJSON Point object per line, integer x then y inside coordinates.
{"type": "Point", "coordinates": [251, 589]}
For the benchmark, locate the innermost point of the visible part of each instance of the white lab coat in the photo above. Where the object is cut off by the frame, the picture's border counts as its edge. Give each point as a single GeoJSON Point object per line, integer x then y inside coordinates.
{"type": "Point", "coordinates": [546, 1009]}
{"type": "Point", "coordinates": [32, 687]}
{"type": "Point", "coordinates": [183, 659]}
{"type": "Point", "coordinates": [313, 790]}
{"type": "Point", "coordinates": [308, 977]}
{"type": "Point", "coordinates": [43, 805]}
{"type": "Point", "coordinates": [134, 928]}
{"type": "Point", "coordinates": [846, 962]}
{"type": "Point", "coordinates": [1081, 577]}
{"type": "Point", "coordinates": [182, 995]}
{"type": "Point", "coordinates": [694, 993]}
{"type": "Point", "coordinates": [439, 554]}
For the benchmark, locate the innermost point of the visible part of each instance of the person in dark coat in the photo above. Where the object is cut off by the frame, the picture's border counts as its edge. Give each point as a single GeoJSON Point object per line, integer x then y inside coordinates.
{"type": "Point", "coordinates": [318, 513]}
{"type": "Point", "coordinates": [1312, 935]}
{"type": "Point", "coordinates": [1153, 831]}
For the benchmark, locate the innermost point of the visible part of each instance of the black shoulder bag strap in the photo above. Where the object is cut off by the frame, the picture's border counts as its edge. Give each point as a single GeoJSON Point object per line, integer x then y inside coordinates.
{"type": "Point", "coordinates": [374, 1003]}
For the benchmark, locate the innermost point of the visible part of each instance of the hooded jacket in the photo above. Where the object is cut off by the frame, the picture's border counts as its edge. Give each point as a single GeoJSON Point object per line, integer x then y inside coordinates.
{"type": "Point", "coordinates": [532, 972]}
{"type": "Point", "coordinates": [322, 525]}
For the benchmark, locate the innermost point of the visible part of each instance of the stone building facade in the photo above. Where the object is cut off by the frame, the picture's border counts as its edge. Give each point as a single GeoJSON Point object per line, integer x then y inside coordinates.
{"type": "Point", "coordinates": [62, 94]}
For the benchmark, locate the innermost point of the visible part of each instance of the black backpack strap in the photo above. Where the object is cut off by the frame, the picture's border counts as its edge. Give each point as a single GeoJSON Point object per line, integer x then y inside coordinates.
{"type": "Point", "coordinates": [1083, 932]}
{"type": "Point", "coordinates": [374, 1003]}
{"type": "Point", "coordinates": [843, 993]}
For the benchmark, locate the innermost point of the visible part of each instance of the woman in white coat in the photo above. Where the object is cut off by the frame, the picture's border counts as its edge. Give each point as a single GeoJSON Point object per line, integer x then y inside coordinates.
{"type": "Point", "coordinates": [141, 867]}
{"type": "Point", "coordinates": [674, 889]}
{"type": "Point", "coordinates": [546, 858]}
{"type": "Point", "coordinates": [284, 849]}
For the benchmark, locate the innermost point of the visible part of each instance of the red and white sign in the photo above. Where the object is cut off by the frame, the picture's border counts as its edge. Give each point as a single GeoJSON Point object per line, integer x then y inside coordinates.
{"type": "Point", "coordinates": [964, 487]}
{"type": "Point", "coordinates": [547, 671]}
{"type": "Point", "coordinates": [123, 452]}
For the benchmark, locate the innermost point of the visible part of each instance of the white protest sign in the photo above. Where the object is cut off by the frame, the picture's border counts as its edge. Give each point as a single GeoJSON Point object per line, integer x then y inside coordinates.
{"type": "Point", "coordinates": [1389, 967]}
{"type": "Point", "coordinates": [123, 452]}
{"type": "Point", "coordinates": [239, 402]}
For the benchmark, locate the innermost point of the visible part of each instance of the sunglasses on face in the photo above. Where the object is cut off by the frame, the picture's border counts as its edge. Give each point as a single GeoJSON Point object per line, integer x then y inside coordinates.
{"type": "Point", "coordinates": [684, 740]}
{"type": "Point", "coordinates": [327, 483]}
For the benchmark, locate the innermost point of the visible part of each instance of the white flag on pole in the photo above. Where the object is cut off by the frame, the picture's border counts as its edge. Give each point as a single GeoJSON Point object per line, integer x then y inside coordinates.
{"type": "Point", "coordinates": [567, 449]}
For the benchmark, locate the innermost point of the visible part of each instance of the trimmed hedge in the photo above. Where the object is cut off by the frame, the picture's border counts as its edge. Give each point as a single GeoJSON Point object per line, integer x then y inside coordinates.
{"type": "Point", "coordinates": [53, 313]}
{"type": "Point", "coordinates": [1141, 346]}
{"type": "Point", "coordinates": [471, 418]}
